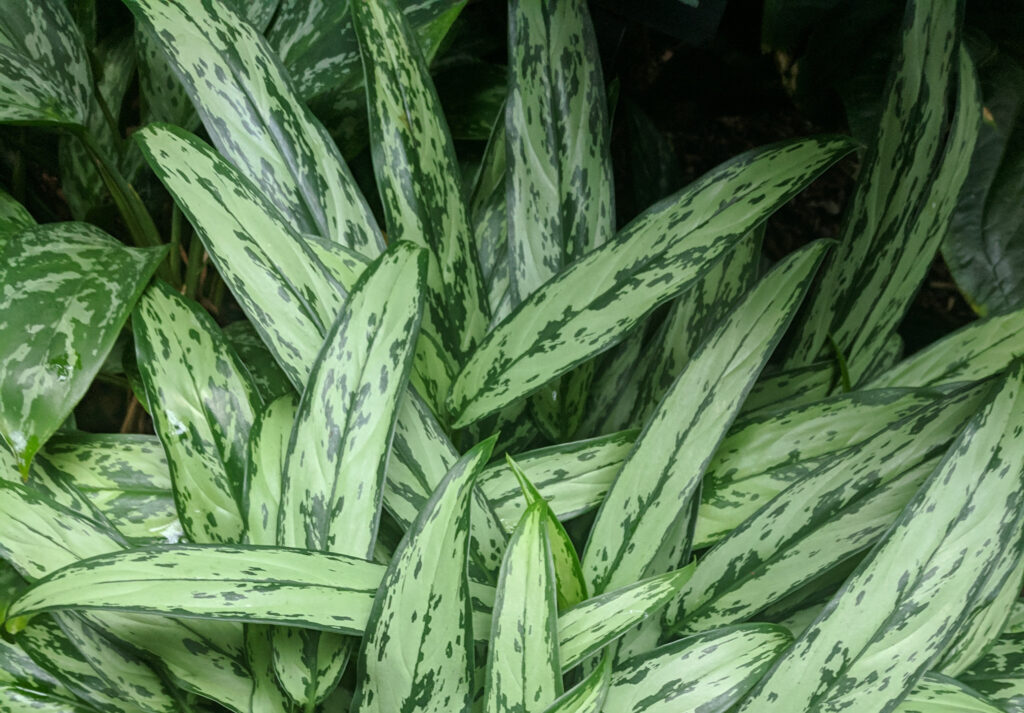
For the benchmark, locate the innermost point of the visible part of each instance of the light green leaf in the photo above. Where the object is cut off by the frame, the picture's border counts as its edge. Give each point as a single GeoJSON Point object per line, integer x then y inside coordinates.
{"type": "Point", "coordinates": [707, 673]}
{"type": "Point", "coordinates": [938, 694]}
{"type": "Point", "coordinates": [591, 625]}
{"type": "Point", "coordinates": [334, 471]}
{"type": "Point", "coordinates": [266, 375]}
{"type": "Point", "coordinates": [901, 210]}
{"type": "Point", "coordinates": [575, 316]}
{"type": "Point", "coordinates": [523, 672]}
{"type": "Point", "coordinates": [125, 477]}
{"type": "Point", "coordinates": [569, 582]}
{"type": "Point", "coordinates": [656, 487]}
{"type": "Point", "coordinates": [267, 696]}
{"type": "Point", "coordinates": [268, 448]}
{"type": "Point", "coordinates": [971, 353]}
{"type": "Point", "coordinates": [822, 518]}
{"type": "Point", "coordinates": [873, 643]}
{"type": "Point", "coordinates": [67, 289]}
{"type": "Point", "coordinates": [559, 179]}
{"type": "Point", "coordinates": [420, 186]}
{"type": "Point", "coordinates": [256, 119]}
{"type": "Point", "coordinates": [44, 68]}
{"type": "Point", "coordinates": [423, 608]}
{"type": "Point", "coordinates": [241, 583]}
{"type": "Point", "coordinates": [588, 696]}
{"type": "Point", "coordinates": [999, 674]}
{"type": "Point", "coordinates": [252, 247]}
{"type": "Point", "coordinates": [203, 406]}
{"type": "Point", "coordinates": [793, 387]}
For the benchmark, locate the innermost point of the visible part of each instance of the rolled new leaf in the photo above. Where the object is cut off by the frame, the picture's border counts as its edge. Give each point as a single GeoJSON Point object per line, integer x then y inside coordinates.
{"type": "Point", "coordinates": [595, 301]}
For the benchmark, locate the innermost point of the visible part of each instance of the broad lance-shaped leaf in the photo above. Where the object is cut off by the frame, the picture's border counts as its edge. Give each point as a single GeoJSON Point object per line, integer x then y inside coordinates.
{"type": "Point", "coordinates": [999, 674]}
{"type": "Point", "coordinates": [902, 207]}
{"type": "Point", "coordinates": [559, 178]}
{"type": "Point", "coordinates": [44, 67]}
{"type": "Point", "coordinates": [334, 471]}
{"type": "Point", "coordinates": [894, 616]}
{"type": "Point", "coordinates": [588, 696]}
{"type": "Point", "coordinates": [656, 486]}
{"type": "Point", "coordinates": [251, 244]}
{"type": "Point", "coordinates": [571, 587]}
{"type": "Point", "coordinates": [422, 610]}
{"type": "Point", "coordinates": [707, 673]}
{"type": "Point", "coordinates": [523, 672]}
{"type": "Point", "coordinates": [66, 290]}
{"type": "Point", "coordinates": [936, 693]}
{"type": "Point", "coordinates": [822, 518]}
{"type": "Point", "coordinates": [124, 476]}
{"type": "Point", "coordinates": [256, 120]}
{"type": "Point", "coordinates": [421, 189]}
{"type": "Point", "coordinates": [599, 298]}
{"type": "Point", "coordinates": [268, 448]}
{"type": "Point", "coordinates": [973, 352]}
{"type": "Point", "coordinates": [203, 406]}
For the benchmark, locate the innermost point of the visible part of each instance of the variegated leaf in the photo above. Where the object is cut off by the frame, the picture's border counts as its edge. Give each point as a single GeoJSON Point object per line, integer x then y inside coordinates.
{"type": "Point", "coordinates": [789, 388]}
{"type": "Point", "coordinates": [268, 449]}
{"type": "Point", "coordinates": [823, 518]}
{"type": "Point", "coordinates": [241, 583]}
{"type": "Point", "coordinates": [203, 405]}
{"type": "Point", "coordinates": [44, 68]}
{"type": "Point", "coordinates": [910, 181]}
{"type": "Point", "coordinates": [893, 617]}
{"type": "Point", "coordinates": [67, 289]}
{"type": "Point", "coordinates": [999, 674]}
{"type": "Point", "coordinates": [707, 673]}
{"type": "Point", "coordinates": [266, 375]}
{"type": "Point", "coordinates": [256, 119]}
{"type": "Point", "coordinates": [13, 217]}
{"type": "Point", "coordinates": [938, 694]}
{"type": "Point", "coordinates": [422, 609]}
{"type": "Point", "coordinates": [420, 186]}
{"type": "Point", "coordinates": [334, 470]}
{"type": "Point", "coordinates": [655, 489]}
{"type": "Point", "coordinates": [523, 673]}
{"type": "Point", "coordinates": [267, 696]}
{"type": "Point", "coordinates": [971, 353]}
{"type": "Point", "coordinates": [559, 178]}
{"type": "Point", "coordinates": [125, 477]}
{"type": "Point", "coordinates": [575, 315]}
{"type": "Point", "coordinates": [588, 696]}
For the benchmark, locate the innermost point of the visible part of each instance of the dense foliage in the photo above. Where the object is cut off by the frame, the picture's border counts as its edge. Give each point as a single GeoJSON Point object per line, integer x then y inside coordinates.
{"type": "Point", "coordinates": [475, 442]}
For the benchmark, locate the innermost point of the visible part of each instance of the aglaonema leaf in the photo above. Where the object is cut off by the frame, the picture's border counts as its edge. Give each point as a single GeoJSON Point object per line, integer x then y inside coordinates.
{"type": "Point", "coordinates": [256, 119]}
{"type": "Point", "coordinates": [873, 643]}
{"type": "Point", "coordinates": [581, 313]}
{"type": "Point", "coordinates": [939, 694]}
{"type": "Point", "coordinates": [523, 673]}
{"type": "Point", "coordinates": [67, 291]}
{"type": "Point", "coordinates": [999, 674]}
{"type": "Point", "coordinates": [423, 608]}
{"type": "Point", "coordinates": [589, 695]}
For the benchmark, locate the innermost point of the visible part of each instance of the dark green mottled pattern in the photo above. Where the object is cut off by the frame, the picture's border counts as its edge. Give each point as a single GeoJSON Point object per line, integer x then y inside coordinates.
{"type": "Point", "coordinates": [700, 674]}
{"type": "Point", "coordinates": [417, 654]}
{"type": "Point", "coordinates": [334, 471]}
{"type": "Point", "coordinates": [266, 375]}
{"type": "Point", "coordinates": [600, 297]}
{"type": "Point", "coordinates": [973, 352]}
{"type": "Point", "coordinates": [202, 404]}
{"type": "Point", "coordinates": [66, 290]}
{"type": "Point", "coordinates": [488, 214]}
{"type": "Point", "coordinates": [124, 476]}
{"type": "Point", "coordinates": [252, 246]}
{"type": "Point", "coordinates": [588, 696]}
{"type": "Point", "coordinates": [999, 674]}
{"type": "Point", "coordinates": [256, 119]}
{"type": "Point", "coordinates": [910, 180]}
{"type": "Point", "coordinates": [44, 68]}
{"type": "Point", "coordinates": [656, 487]}
{"type": "Point", "coordinates": [892, 618]}
{"type": "Point", "coordinates": [269, 585]}
{"type": "Point", "coordinates": [523, 673]}
{"type": "Point", "coordinates": [420, 186]}
{"type": "Point", "coordinates": [936, 693]}
{"type": "Point", "coordinates": [823, 517]}
{"type": "Point", "coordinates": [571, 477]}
{"type": "Point", "coordinates": [559, 180]}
